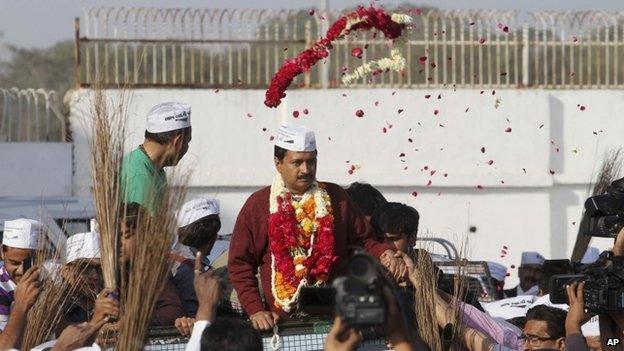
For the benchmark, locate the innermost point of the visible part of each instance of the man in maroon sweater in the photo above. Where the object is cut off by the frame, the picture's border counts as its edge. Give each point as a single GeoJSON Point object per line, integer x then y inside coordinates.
{"type": "Point", "coordinates": [250, 250]}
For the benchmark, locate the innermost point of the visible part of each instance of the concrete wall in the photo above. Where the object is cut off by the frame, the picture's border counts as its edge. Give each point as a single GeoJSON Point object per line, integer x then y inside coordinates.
{"type": "Point", "coordinates": [35, 169]}
{"type": "Point", "coordinates": [529, 198]}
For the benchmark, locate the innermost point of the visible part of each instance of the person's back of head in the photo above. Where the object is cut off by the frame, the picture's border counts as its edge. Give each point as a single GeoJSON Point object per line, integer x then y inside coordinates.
{"type": "Point", "coordinates": [366, 197]}
{"type": "Point", "coordinates": [229, 334]}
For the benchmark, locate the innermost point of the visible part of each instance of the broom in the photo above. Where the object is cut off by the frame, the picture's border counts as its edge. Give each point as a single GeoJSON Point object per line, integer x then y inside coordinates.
{"type": "Point", "coordinates": [143, 281]}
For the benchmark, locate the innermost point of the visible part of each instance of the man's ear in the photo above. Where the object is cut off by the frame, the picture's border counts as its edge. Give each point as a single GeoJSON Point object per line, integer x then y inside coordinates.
{"type": "Point", "coordinates": [276, 161]}
{"type": "Point", "coordinates": [177, 141]}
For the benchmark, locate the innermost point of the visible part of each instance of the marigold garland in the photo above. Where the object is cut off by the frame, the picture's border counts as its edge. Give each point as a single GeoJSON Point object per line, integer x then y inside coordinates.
{"type": "Point", "coordinates": [301, 240]}
{"type": "Point", "coordinates": [396, 62]}
{"type": "Point", "coordinates": [361, 19]}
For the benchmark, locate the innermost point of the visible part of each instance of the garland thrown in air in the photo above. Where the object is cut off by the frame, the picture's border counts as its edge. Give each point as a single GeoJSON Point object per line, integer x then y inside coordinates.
{"type": "Point", "coordinates": [392, 26]}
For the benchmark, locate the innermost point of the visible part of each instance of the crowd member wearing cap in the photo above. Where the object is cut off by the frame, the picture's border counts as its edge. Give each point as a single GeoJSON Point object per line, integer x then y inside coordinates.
{"type": "Point", "coordinates": [529, 272]}
{"type": "Point", "coordinates": [366, 197]}
{"type": "Point", "coordinates": [274, 228]}
{"type": "Point", "coordinates": [167, 137]}
{"type": "Point", "coordinates": [396, 224]}
{"type": "Point", "coordinates": [19, 287]}
{"type": "Point", "coordinates": [168, 305]}
{"type": "Point", "coordinates": [82, 269]}
{"type": "Point", "coordinates": [498, 272]}
{"type": "Point", "coordinates": [198, 228]}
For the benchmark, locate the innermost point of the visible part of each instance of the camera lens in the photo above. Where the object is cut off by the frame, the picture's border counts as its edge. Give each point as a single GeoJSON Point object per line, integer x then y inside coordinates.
{"type": "Point", "coordinates": [362, 269]}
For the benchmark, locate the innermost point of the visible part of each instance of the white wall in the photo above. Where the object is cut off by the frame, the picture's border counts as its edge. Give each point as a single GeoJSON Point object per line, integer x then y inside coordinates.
{"type": "Point", "coordinates": [35, 169]}
{"type": "Point", "coordinates": [521, 206]}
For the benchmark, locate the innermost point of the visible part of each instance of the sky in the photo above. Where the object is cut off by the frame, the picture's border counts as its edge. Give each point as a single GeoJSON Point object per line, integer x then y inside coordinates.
{"type": "Point", "coordinates": [38, 23]}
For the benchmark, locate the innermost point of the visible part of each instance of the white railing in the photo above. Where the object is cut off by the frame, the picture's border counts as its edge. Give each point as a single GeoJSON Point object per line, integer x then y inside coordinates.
{"type": "Point", "coordinates": [30, 115]}
{"type": "Point", "coordinates": [243, 48]}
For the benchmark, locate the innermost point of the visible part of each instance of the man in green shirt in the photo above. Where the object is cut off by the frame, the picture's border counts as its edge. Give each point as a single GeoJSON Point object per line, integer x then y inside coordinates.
{"type": "Point", "coordinates": [167, 137]}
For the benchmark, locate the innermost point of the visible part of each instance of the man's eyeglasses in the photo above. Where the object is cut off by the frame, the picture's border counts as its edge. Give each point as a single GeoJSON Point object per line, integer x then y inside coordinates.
{"type": "Point", "coordinates": [535, 340]}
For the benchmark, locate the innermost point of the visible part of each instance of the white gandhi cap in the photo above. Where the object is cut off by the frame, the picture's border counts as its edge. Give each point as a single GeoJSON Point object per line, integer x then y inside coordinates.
{"type": "Point", "coordinates": [295, 138]}
{"type": "Point", "coordinates": [83, 246]}
{"type": "Point", "coordinates": [532, 257]}
{"type": "Point", "coordinates": [497, 271]}
{"type": "Point", "coordinates": [196, 209]}
{"type": "Point", "coordinates": [22, 233]}
{"type": "Point", "coordinates": [168, 116]}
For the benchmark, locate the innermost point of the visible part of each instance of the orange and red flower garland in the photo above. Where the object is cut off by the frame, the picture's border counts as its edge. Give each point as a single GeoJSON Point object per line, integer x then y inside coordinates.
{"type": "Point", "coordinates": [301, 240]}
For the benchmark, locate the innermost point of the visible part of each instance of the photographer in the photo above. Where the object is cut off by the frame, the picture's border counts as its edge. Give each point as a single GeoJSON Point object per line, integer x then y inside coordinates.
{"type": "Point", "coordinates": [341, 337]}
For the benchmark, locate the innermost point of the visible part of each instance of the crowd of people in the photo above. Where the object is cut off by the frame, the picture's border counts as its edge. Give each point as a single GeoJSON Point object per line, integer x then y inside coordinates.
{"type": "Point", "coordinates": [293, 234]}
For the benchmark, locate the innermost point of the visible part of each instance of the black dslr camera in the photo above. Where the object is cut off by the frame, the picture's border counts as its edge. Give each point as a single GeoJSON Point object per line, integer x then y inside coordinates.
{"type": "Point", "coordinates": [604, 284]}
{"type": "Point", "coordinates": [604, 214]}
{"type": "Point", "coordinates": [357, 297]}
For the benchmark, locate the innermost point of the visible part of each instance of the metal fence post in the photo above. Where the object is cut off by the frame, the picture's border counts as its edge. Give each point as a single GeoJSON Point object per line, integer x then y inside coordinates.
{"type": "Point", "coordinates": [77, 51]}
{"type": "Point", "coordinates": [525, 54]}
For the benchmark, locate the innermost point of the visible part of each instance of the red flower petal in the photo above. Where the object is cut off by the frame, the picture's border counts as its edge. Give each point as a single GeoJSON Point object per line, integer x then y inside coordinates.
{"type": "Point", "coordinates": [435, 112]}
{"type": "Point", "coordinates": [551, 172]}
{"type": "Point", "coordinates": [359, 113]}
{"type": "Point", "coordinates": [432, 172]}
{"type": "Point", "coordinates": [402, 154]}
{"type": "Point", "coordinates": [582, 108]}
{"type": "Point", "coordinates": [429, 183]}
{"type": "Point", "coordinates": [414, 194]}
{"type": "Point", "coordinates": [357, 52]}
{"type": "Point", "coordinates": [482, 149]}
{"type": "Point", "coordinates": [490, 162]}
{"type": "Point", "coordinates": [508, 130]}
{"type": "Point", "coordinates": [479, 187]}
{"type": "Point", "coordinates": [305, 111]}
{"type": "Point", "coordinates": [481, 40]}
{"type": "Point", "coordinates": [249, 115]}
{"type": "Point", "coordinates": [467, 108]}
{"type": "Point", "coordinates": [376, 103]}
{"type": "Point", "coordinates": [384, 130]}
{"type": "Point", "coordinates": [271, 138]}
{"type": "Point", "coordinates": [264, 129]}
{"type": "Point", "coordinates": [445, 175]}
{"type": "Point", "coordinates": [311, 12]}
{"type": "Point", "coordinates": [400, 110]}
{"type": "Point", "coordinates": [295, 113]}
{"type": "Point", "coordinates": [422, 60]}
{"type": "Point", "coordinates": [410, 140]}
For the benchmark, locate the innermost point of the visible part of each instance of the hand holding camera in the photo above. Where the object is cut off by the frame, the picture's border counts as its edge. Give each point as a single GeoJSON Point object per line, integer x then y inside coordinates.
{"type": "Point", "coordinates": [576, 315]}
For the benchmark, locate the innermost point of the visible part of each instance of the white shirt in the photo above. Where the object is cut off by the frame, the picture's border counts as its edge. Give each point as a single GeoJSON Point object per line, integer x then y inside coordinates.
{"type": "Point", "coordinates": [194, 343]}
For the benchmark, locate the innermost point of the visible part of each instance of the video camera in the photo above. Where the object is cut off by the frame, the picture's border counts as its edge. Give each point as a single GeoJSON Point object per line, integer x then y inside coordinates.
{"type": "Point", "coordinates": [357, 297]}
{"type": "Point", "coordinates": [604, 214]}
{"type": "Point", "coordinates": [604, 284]}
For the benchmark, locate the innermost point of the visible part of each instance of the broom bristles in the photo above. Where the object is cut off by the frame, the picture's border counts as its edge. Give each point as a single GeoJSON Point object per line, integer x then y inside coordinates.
{"type": "Point", "coordinates": [145, 278]}
{"type": "Point", "coordinates": [106, 139]}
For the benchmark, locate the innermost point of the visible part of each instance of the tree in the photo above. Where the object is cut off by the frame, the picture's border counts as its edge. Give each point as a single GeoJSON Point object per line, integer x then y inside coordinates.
{"type": "Point", "coordinates": [51, 68]}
